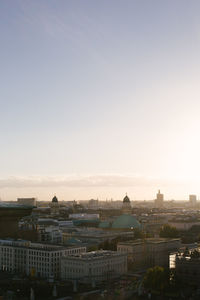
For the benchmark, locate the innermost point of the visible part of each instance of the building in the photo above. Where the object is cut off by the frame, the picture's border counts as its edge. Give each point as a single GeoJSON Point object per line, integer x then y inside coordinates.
{"type": "Point", "coordinates": [126, 221]}
{"type": "Point", "coordinates": [34, 259]}
{"type": "Point", "coordinates": [126, 205]}
{"type": "Point", "coordinates": [10, 214]}
{"type": "Point", "coordinates": [149, 252]}
{"type": "Point", "coordinates": [96, 265]}
{"type": "Point", "coordinates": [93, 236]}
{"type": "Point", "coordinates": [159, 201]}
{"type": "Point", "coordinates": [44, 229]}
{"type": "Point", "coordinates": [93, 204]}
{"type": "Point", "coordinates": [192, 200]}
{"type": "Point", "coordinates": [188, 269]}
{"type": "Point", "coordinates": [27, 201]}
{"type": "Point", "coordinates": [48, 231]}
{"type": "Point", "coordinates": [54, 206]}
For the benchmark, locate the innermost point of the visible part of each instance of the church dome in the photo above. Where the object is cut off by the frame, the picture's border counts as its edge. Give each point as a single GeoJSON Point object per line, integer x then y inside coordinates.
{"type": "Point", "coordinates": [126, 199]}
{"type": "Point", "coordinates": [55, 199]}
{"type": "Point", "coordinates": [125, 222]}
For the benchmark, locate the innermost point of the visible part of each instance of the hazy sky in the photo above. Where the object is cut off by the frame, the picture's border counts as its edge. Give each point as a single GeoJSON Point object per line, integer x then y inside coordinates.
{"type": "Point", "coordinates": [99, 98]}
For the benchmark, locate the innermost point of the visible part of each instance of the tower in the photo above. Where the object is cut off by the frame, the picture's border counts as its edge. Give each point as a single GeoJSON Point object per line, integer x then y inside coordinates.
{"type": "Point", "coordinates": [192, 200]}
{"type": "Point", "coordinates": [126, 206]}
{"type": "Point", "coordinates": [54, 206]}
{"type": "Point", "coordinates": [159, 199]}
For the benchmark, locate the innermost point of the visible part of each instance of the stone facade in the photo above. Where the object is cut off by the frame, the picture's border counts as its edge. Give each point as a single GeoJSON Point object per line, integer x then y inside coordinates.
{"type": "Point", "coordinates": [96, 265]}
{"type": "Point", "coordinates": [149, 252]}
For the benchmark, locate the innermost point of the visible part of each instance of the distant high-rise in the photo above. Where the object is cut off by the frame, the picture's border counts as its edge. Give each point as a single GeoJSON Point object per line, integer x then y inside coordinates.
{"type": "Point", "coordinates": [159, 199]}
{"type": "Point", "coordinates": [192, 200]}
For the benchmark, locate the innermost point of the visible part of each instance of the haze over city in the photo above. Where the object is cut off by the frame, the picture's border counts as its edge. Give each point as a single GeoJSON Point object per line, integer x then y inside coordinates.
{"type": "Point", "coordinates": [99, 98]}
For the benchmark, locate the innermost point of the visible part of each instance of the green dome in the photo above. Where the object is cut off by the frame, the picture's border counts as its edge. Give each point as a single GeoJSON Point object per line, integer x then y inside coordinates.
{"type": "Point", "coordinates": [73, 241]}
{"type": "Point", "coordinates": [104, 224]}
{"type": "Point", "coordinates": [126, 222]}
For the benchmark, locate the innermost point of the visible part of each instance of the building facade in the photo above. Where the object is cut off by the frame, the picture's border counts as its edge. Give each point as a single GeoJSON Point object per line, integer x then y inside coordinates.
{"type": "Point", "coordinates": [96, 265]}
{"type": "Point", "coordinates": [34, 259]}
{"type": "Point", "coordinates": [149, 252]}
{"type": "Point", "coordinates": [188, 269]}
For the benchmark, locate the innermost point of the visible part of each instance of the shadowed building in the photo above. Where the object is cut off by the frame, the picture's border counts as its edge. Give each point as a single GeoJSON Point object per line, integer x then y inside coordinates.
{"type": "Point", "coordinates": [188, 268]}
{"type": "Point", "coordinates": [149, 252]}
{"type": "Point", "coordinates": [10, 214]}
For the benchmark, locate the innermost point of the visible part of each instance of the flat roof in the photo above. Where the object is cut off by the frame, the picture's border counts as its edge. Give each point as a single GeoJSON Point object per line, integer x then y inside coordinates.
{"type": "Point", "coordinates": [35, 246]}
{"type": "Point", "coordinates": [149, 241]}
{"type": "Point", "coordinates": [95, 255]}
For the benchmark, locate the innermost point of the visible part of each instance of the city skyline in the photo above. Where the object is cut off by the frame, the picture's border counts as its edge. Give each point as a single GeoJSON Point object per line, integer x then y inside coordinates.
{"type": "Point", "coordinates": [99, 99]}
{"type": "Point", "coordinates": [108, 186]}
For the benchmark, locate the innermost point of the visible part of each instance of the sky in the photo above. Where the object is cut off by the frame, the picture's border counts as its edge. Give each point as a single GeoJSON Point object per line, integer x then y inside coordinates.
{"type": "Point", "coordinates": [99, 98]}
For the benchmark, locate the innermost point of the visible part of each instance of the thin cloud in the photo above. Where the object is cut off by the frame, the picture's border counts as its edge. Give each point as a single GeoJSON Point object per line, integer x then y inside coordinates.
{"type": "Point", "coordinates": [81, 181]}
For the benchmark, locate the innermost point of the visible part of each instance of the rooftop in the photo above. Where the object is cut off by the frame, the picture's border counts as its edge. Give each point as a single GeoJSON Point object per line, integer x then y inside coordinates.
{"type": "Point", "coordinates": [14, 205]}
{"type": "Point", "coordinates": [95, 255]}
{"type": "Point", "coordinates": [35, 246]}
{"type": "Point", "coordinates": [125, 221]}
{"type": "Point", "coordinates": [149, 241]}
{"type": "Point", "coordinates": [54, 199]}
{"type": "Point", "coordinates": [126, 199]}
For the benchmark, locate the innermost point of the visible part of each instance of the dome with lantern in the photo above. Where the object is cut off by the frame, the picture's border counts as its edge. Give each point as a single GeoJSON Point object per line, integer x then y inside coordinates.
{"type": "Point", "coordinates": [54, 199]}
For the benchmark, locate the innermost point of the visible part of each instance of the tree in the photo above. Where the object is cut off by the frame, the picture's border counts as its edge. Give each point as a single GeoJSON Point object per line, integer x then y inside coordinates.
{"type": "Point", "coordinates": [168, 231]}
{"type": "Point", "coordinates": [92, 248]}
{"type": "Point", "coordinates": [138, 233]}
{"type": "Point", "coordinates": [156, 278]}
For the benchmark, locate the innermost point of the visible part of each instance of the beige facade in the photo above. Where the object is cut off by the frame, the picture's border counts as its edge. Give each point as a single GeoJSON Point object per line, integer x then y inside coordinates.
{"type": "Point", "coordinates": [149, 252]}
{"type": "Point", "coordinates": [96, 265]}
